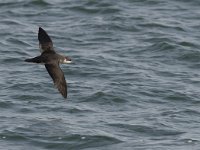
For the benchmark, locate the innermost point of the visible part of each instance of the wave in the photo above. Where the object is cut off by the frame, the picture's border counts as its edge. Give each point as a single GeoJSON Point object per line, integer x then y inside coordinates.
{"type": "Point", "coordinates": [43, 137]}
{"type": "Point", "coordinates": [148, 130]}
{"type": "Point", "coordinates": [104, 98]}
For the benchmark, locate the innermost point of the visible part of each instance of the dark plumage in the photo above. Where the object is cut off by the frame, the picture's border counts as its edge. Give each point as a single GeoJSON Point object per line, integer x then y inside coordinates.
{"type": "Point", "coordinates": [51, 60]}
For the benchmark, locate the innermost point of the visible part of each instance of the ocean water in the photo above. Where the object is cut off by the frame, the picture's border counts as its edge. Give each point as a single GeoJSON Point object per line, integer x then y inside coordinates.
{"type": "Point", "coordinates": [134, 83]}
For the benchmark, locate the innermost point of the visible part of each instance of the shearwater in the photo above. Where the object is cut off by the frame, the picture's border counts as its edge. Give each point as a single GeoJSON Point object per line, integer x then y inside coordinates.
{"type": "Point", "coordinates": [51, 60]}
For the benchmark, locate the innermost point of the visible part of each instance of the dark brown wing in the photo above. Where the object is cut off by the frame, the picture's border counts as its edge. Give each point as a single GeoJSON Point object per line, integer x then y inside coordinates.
{"type": "Point", "coordinates": [58, 78]}
{"type": "Point", "coordinates": [45, 41]}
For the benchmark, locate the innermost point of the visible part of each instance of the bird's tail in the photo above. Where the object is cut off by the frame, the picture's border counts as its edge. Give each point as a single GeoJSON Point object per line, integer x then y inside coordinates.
{"type": "Point", "coordinates": [34, 60]}
{"type": "Point", "coordinates": [28, 60]}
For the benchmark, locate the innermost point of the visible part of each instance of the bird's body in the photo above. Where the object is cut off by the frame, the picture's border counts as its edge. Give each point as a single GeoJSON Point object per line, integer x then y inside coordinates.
{"type": "Point", "coordinates": [51, 60]}
{"type": "Point", "coordinates": [47, 58]}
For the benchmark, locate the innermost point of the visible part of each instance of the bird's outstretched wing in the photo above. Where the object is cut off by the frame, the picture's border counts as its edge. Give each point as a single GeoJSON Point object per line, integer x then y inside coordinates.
{"type": "Point", "coordinates": [45, 41]}
{"type": "Point", "coordinates": [58, 78]}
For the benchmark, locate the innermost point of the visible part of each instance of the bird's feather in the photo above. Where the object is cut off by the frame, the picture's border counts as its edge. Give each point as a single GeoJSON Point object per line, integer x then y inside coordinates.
{"type": "Point", "coordinates": [45, 42]}
{"type": "Point", "coordinates": [58, 78]}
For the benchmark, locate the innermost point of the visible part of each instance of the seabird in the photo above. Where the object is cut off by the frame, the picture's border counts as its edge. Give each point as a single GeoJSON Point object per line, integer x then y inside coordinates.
{"type": "Point", "coordinates": [51, 60]}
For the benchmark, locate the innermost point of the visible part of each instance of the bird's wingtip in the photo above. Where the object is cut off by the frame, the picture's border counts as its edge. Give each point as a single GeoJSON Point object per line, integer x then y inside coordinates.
{"type": "Point", "coordinates": [65, 96]}
{"type": "Point", "coordinates": [27, 60]}
{"type": "Point", "coordinates": [40, 28]}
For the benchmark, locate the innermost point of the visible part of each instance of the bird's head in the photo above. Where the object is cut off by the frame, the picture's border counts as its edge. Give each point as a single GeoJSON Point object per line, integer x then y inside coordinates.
{"type": "Point", "coordinates": [67, 60]}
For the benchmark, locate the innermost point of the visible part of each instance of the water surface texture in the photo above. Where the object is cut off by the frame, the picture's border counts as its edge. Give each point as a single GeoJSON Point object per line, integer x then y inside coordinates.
{"type": "Point", "coordinates": [134, 83]}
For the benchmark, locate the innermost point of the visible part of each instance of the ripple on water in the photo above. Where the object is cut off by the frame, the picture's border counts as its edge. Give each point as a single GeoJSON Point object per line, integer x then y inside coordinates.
{"type": "Point", "coordinates": [6, 104]}
{"type": "Point", "coordinates": [17, 42]}
{"type": "Point", "coordinates": [12, 136]}
{"type": "Point", "coordinates": [148, 130]}
{"type": "Point", "coordinates": [190, 56]}
{"type": "Point", "coordinates": [162, 26]}
{"type": "Point", "coordinates": [163, 46]}
{"type": "Point", "coordinates": [37, 3]}
{"type": "Point", "coordinates": [74, 110]}
{"type": "Point", "coordinates": [94, 7]}
{"type": "Point", "coordinates": [62, 140]}
{"type": "Point", "coordinates": [190, 141]}
{"type": "Point", "coordinates": [105, 98]}
{"type": "Point", "coordinates": [77, 141]}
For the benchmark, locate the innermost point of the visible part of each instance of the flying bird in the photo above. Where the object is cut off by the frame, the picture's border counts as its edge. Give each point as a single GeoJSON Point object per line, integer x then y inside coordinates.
{"type": "Point", "coordinates": [51, 60]}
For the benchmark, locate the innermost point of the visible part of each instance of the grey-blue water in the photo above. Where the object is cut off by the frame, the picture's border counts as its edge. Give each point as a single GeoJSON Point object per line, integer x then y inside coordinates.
{"type": "Point", "coordinates": [134, 83]}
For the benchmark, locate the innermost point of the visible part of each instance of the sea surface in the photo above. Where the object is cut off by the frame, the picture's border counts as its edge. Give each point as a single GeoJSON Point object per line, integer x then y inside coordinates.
{"type": "Point", "coordinates": [134, 83]}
